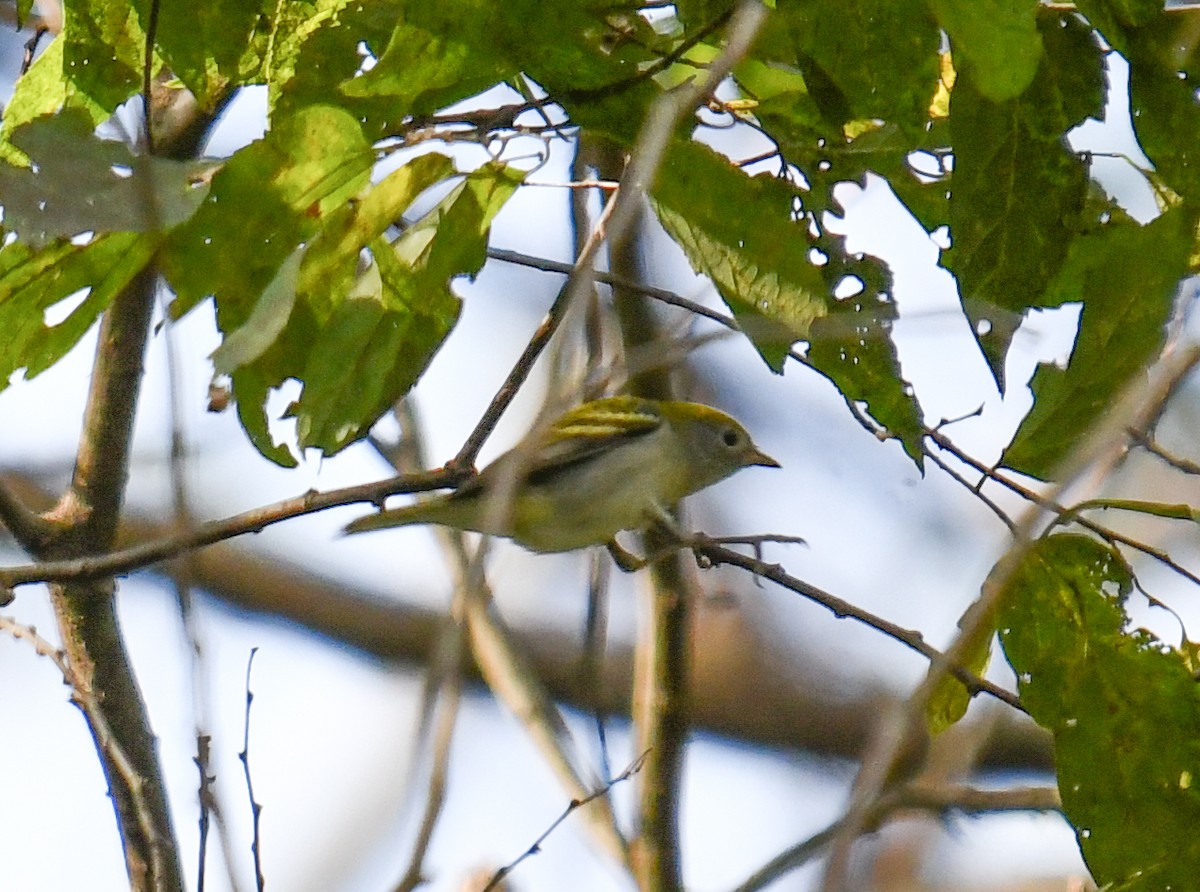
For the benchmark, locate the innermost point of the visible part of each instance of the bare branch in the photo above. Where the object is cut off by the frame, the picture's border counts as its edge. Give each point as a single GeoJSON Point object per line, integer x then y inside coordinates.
{"type": "Point", "coordinates": [920, 796]}
{"type": "Point", "coordinates": [1064, 513]}
{"type": "Point", "coordinates": [29, 529]}
{"type": "Point", "coordinates": [578, 283]}
{"type": "Point", "coordinates": [633, 768]}
{"type": "Point", "coordinates": [252, 521]}
{"type": "Point", "coordinates": [1141, 402]}
{"type": "Point", "coordinates": [1150, 445]}
{"type": "Point", "coordinates": [660, 294]}
{"type": "Point", "coordinates": [709, 551]}
{"type": "Point", "coordinates": [113, 754]}
{"type": "Point", "coordinates": [244, 758]}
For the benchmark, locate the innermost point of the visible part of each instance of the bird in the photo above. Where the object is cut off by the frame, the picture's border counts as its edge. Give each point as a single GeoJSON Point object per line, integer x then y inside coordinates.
{"type": "Point", "coordinates": [609, 465]}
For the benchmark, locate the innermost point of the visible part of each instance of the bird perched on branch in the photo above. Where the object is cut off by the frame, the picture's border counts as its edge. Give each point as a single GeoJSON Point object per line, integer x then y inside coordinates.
{"type": "Point", "coordinates": [605, 466]}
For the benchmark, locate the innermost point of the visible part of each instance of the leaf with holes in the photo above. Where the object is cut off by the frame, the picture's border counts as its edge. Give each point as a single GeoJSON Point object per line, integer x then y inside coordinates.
{"type": "Point", "coordinates": [77, 183]}
{"type": "Point", "coordinates": [1126, 277]}
{"type": "Point", "coordinates": [1018, 194]}
{"type": "Point", "coordinates": [38, 284]}
{"type": "Point", "coordinates": [1124, 709]}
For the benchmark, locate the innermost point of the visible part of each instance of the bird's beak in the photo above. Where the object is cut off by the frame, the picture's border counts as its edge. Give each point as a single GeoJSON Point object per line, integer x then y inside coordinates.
{"type": "Point", "coordinates": [760, 458]}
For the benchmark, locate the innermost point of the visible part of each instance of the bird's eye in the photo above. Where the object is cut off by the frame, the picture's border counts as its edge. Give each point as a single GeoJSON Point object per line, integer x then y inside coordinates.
{"type": "Point", "coordinates": [730, 437]}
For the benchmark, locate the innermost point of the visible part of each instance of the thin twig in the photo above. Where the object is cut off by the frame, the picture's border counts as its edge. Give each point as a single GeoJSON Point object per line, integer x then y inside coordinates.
{"type": "Point", "coordinates": [941, 799]}
{"type": "Point", "coordinates": [244, 757]}
{"type": "Point", "coordinates": [204, 794]}
{"type": "Point", "coordinates": [366, 626]}
{"type": "Point", "coordinates": [595, 644]}
{"type": "Point", "coordinates": [659, 65]}
{"type": "Point", "coordinates": [875, 776]}
{"type": "Point", "coordinates": [1063, 513]}
{"type": "Point", "coordinates": [603, 185]}
{"type": "Point", "coordinates": [31, 46]}
{"type": "Point", "coordinates": [1178, 463]}
{"type": "Point", "coordinates": [106, 740]}
{"type": "Point", "coordinates": [1140, 403]}
{"type": "Point", "coordinates": [633, 768]}
{"type": "Point", "coordinates": [967, 485]}
{"type": "Point", "coordinates": [252, 521]}
{"type": "Point", "coordinates": [662, 716]}
{"type": "Point", "coordinates": [442, 687]}
{"type": "Point", "coordinates": [714, 554]}
{"type": "Point", "coordinates": [577, 283]}
{"type": "Point", "coordinates": [446, 706]}
{"type": "Point", "coordinates": [660, 294]}
{"type": "Point", "coordinates": [147, 76]}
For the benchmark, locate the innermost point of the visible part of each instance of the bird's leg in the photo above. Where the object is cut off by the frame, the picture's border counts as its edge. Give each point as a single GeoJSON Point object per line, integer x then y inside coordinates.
{"type": "Point", "coordinates": [657, 518]}
{"type": "Point", "coordinates": [626, 561]}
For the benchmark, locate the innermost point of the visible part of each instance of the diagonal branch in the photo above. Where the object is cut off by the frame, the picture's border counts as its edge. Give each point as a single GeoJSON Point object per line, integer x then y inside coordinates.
{"type": "Point", "coordinates": [146, 554]}
{"type": "Point", "coordinates": [1140, 403]}
{"type": "Point", "coordinates": [715, 554]}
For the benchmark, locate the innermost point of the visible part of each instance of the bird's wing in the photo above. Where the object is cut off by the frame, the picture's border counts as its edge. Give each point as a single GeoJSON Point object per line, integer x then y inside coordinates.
{"type": "Point", "coordinates": [590, 430]}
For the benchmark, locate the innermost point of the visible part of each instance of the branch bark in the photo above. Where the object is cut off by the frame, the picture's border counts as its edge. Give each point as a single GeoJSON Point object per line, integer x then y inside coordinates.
{"type": "Point", "coordinates": [662, 669]}
{"type": "Point", "coordinates": [740, 691]}
{"type": "Point", "coordinates": [86, 612]}
{"type": "Point", "coordinates": [85, 522]}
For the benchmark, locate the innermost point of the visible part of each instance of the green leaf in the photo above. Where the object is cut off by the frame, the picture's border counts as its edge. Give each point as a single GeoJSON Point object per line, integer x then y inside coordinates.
{"type": "Point", "coordinates": [451, 240]}
{"type": "Point", "coordinates": [266, 322]}
{"type": "Point", "coordinates": [1163, 84]}
{"type": "Point", "coordinates": [430, 56]}
{"type": "Point", "coordinates": [358, 340]}
{"type": "Point", "coordinates": [77, 183]}
{"type": "Point", "coordinates": [426, 56]}
{"type": "Point", "coordinates": [43, 90]}
{"type": "Point", "coordinates": [320, 331]}
{"type": "Point", "coordinates": [33, 283]}
{"type": "Point", "coordinates": [833, 42]}
{"type": "Point", "coordinates": [783, 103]}
{"type": "Point", "coordinates": [103, 49]}
{"type": "Point", "coordinates": [1112, 18]}
{"type": "Point", "coordinates": [950, 697]}
{"type": "Point", "coordinates": [740, 232]}
{"type": "Point", "coordinates": [1018, 194]}
{"type": "Point", "coordinates": [854, 349]}
{"type": "Point", "coordinates": [331, 262]}
{"type": "Point", "coordinates": [997, 41]}
{"type": "Point", "coordinates": [314, 56]}
{"type": "Point", "coordinates": [380, 339]}
{"type": "Point", "coordinates": [1126, 277]}
{"type": "Point", "coordinates": [263, 203]}
{"type": "Point", "coordinates": [268, 199]}
{"type": "Point", "coordinates": [439, 55]}
{"type": "Point", "coordinates": [1123, 707]}
{"type": "Point", "coordinates": [371, 352]}
{"type": "Point", "coordinates": [697, 13]}
{"type": "Point", "coordinates": [203, 43]}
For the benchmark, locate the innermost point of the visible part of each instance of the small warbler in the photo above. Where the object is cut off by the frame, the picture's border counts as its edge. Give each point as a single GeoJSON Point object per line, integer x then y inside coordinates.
{"type": "Point", "coordinates": [608, 465]}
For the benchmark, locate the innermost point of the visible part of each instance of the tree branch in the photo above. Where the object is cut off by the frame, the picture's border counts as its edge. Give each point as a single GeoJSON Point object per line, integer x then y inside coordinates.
{"type": "Point", "coordinates": [714, 554]}
{"type": "Point", "coordinates": [86, 522]}
{"type": "Point", "coordinates": [164, 547]}
{"type": "Point", "coordinates": [1141, 401]}
{"type": "Point", "coordinates": [86, 612]}
{"type": "Point", "coordinates": [788, 708]}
